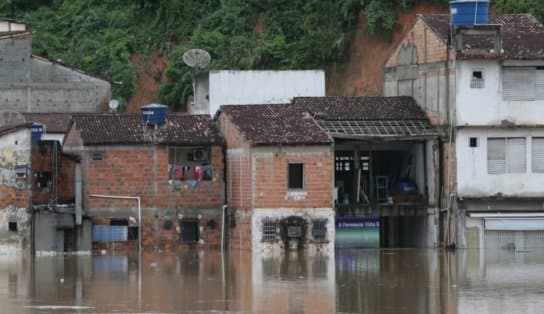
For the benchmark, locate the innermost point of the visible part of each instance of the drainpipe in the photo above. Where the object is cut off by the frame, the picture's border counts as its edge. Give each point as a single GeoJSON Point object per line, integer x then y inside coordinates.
{"type": "Point", "coordinates": [223, 209]}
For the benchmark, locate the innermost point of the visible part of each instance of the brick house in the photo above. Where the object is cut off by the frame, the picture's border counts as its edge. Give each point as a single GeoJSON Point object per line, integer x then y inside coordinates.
{"type": "Point", "coordinates": [177, 170]}
{"type": "Point", "coordinates": [484, 83]}
{"type": "Point", "coordinates": [279, 178]}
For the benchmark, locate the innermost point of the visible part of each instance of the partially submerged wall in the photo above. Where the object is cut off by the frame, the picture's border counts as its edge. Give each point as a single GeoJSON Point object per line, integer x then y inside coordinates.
{"type": "Point", "coordinates": [14, 190]}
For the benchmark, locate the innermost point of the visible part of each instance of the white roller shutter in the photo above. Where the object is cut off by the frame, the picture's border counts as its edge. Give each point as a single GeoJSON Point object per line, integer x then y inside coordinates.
{"type": "Point", "coordinates": [514, 224]}
{"type": "Point", "coordinates": [496, 156]}
{"type": "Point", "coordinates": [516, 157]}
{"type": "Point", "coordinates": [518, 83]}
{"type": "Point", "coordinates": [538, 154]}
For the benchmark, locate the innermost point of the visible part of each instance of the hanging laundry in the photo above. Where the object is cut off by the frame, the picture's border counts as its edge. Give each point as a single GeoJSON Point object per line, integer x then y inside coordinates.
{"type": "Point", "coordinates": [198, 173]}
{"type": "Point", "coordinates": [179, 172]}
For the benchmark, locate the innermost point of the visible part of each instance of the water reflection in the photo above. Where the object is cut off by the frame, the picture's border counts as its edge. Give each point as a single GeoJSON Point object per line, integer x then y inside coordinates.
{"type": "Point", "coordinates": [352, 281]}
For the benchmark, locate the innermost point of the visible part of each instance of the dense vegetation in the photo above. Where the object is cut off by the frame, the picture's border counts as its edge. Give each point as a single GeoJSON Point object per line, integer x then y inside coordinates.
{"type": "Point", "coordinates": [101, 36]}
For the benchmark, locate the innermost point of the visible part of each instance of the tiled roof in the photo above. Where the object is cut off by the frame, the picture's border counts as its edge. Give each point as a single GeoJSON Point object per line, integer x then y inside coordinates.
{"type": "Point", "coordinates": [361, 108]}
{"type": "Point", "coordinates": [378, 128]}
{"type": "Point", "coordinates": [275, 124]}
{"type": "Point", "coordinates": [179, 129]}
{"type": "Point", "coordinates": [53, 122]}
{"type": "Point", "coordinates": [6, 129]}
{"type": "Point", "coordinates": [522, 37]}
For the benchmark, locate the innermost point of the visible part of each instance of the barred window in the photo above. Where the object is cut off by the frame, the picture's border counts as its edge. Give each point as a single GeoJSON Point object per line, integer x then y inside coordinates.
{"type": "Point", "coordinates": [477, 80]}
{"type": "Point", "coordinates": [270, 230]}
{"type": "Point", "coordinates": [319, 228]}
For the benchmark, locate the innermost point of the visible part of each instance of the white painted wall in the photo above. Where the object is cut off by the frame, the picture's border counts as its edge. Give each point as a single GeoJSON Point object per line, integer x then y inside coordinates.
{"type": "Point", "coordinates": [259, 214]}
{"type": "Point", "coordinates": [14, 151]}
{"type": "Point", "coordinates": [485, 106]}
{"type": "Point", "coordinates": [472, 177]}
{"type": "Point", "coordinates": [10, 26]}
{"type": "Point", "coordinates": [260, 87]}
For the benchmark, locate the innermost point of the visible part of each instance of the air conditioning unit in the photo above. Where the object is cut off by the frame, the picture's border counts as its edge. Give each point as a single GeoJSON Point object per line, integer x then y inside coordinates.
{"type": "Point", "coordinates": [200, 154]}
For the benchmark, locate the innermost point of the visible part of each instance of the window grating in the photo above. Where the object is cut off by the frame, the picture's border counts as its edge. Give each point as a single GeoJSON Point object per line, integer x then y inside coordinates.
{"type": "Point", "coordinates": [270, 230]}
{"type": "Point", "coordinates": [319, 229]}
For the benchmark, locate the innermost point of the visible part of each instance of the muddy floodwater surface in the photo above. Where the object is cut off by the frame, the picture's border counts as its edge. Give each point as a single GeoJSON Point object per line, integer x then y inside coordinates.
{"type": "Point", "coordinates": [351, 281]}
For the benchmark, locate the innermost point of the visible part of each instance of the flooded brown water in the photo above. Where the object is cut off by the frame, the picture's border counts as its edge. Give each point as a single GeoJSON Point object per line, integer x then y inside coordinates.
{"type": "Point", "coordinates": [352, 281]}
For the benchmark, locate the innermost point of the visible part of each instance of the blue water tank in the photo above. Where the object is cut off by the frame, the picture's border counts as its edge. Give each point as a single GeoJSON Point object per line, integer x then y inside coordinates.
{"type": "Point", "coordinates": [405, 187]}
{"type": "Point", "coordinates": [154, 113]}
{"type": "Point", "coordinates": [469, 12]}
{"type": "Point", "coordinates": [36, 131]}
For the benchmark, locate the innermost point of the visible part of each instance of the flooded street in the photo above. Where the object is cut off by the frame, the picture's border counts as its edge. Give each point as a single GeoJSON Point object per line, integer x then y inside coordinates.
{"type": "Point", "coordinates": [353, 281]}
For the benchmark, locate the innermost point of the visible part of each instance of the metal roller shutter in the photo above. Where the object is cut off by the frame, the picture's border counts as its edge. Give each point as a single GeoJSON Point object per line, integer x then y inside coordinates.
{"type": "Point", "coordinates": [518, 83]}
{"type": "Point", "coordinates": [538, 154]}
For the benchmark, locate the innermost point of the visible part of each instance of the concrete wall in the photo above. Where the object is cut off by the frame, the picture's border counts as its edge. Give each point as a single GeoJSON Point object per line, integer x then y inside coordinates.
{"type": "Point", "coordinates": [14, 191]}
{"type": "Point", "coordinates": [419, 67]}
{"type": "Point", "coordinates": [472, 177]}
{"type": "Point", "coordinates": [33, 84]}
{"type": "Point", "coordinates": [256, 87]}
{"type": "Point", "coordinates": [485, 106]}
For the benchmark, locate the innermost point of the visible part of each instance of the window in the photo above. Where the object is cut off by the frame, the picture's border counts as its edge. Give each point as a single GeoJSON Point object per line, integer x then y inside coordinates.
{"type": "Point", "coordinates": [506, 155]}
{"type": "Point", "coordinates": [477, 80]}
{"type": "Point", "coordinates": [97, 156]}
{"type": "Point", "coordinates": [296, 176]}
{"type": "Point", "coordinates": [189, 230]}
{"type": "Point", "coordinates": [319, 229]}
{"type": "Point", "coordinates": [12, 226]}
{"type": "Point", "coordinates": [473, 142]}
{"type": "Point", "coordinates": [523, 83]}
{"type": "Point", "coordinates": [189, 164]}
{"type": "Point", "coordinates": [270, 230]}
{"type": "Point", "coordinates": [538, 154]}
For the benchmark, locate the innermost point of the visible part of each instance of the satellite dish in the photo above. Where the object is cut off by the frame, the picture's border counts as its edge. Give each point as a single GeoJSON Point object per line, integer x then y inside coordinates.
{"type": "Point", "coordinates": [196, 58]}
{"type": "Point", "coordinates": [114, 104]}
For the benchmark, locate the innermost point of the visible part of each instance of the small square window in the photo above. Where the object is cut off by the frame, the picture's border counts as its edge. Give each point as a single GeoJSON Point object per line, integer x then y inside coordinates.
{"type": "Point", "coordinates": [270, 230]}
{"type": "Point", "coordinates": [477, 80]}
{"type": "Point", "coordinates": [473, 142]}
{"type": "Point", "coordinates": [296, 176]}
{"type": "Point", "coordinates": [319, 229]}
{"type": "Point", "coordinates": [12, 226]}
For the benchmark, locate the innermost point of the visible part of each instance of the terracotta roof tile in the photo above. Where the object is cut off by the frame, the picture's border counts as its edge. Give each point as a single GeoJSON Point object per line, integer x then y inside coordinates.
{"type": "Point", "coordinates": [53, 122]}
{"type": "Point", "coordinates": [361, 108]}
{"type": "Point", "coordinates": [179, 129]}
{"type": "Point", "coordinates": [522, 37]}
{"type": "Point", "coordinates": [275, 124]}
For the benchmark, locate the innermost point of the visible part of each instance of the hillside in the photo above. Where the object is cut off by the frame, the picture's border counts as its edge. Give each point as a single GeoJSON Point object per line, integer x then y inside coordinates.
{"type": "Point", "coordinates": [138, 45]}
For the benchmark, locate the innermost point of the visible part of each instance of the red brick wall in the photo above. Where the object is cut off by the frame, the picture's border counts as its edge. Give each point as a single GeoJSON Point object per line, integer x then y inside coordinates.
{"type": "Point", "coordinates": [238, 165]}
{"type": "Point", "coordinates": [43, 161]}
{"type": "Point", "coordinates": [143, 171]}
{"type": "Point", "coordinates": [14, 197]}
{"type": "Point", "coordinates": [271, 176]}
{"type": "Point", "coordinates": [156, 236]}
{"type": "Point", "coordinates": [240, 233]}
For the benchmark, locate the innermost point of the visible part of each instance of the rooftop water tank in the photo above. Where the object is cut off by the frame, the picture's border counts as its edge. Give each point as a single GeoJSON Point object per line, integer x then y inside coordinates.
{"type": "Point", "coordinates": [469, 12]}
{"type": "Point", "coordinates": [154, 113]}
{"type": "Point", "coordinates": [36, 131]}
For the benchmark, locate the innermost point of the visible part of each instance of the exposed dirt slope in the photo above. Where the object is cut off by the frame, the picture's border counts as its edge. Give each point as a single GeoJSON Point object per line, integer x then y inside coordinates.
{"type": "Point", "coordinates": [361, 73]}
{"type": "Point", "coordinates": [150, 75]}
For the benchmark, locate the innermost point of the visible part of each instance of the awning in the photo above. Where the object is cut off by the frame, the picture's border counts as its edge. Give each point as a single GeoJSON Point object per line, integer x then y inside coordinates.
{"type": "Point", "coordinates": [514, 224]}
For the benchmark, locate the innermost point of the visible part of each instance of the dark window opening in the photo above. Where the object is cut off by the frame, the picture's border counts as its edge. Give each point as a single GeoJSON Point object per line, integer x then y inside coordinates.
{"type": "Point", "coordinates": [44, 179]}
{"type": "Point", "coordinates": [319, 229]}
{"type": "Point", "coordinates": [270, 231]}
{"type": "Point", "coordinates": [189, 230]}
{"type": "Point", "coordinates": [97, 156]}
{"type": "Point", "coordinates": [12, 226]}
{"type": "Point", "coordinates": [296, 176]}
{"type": "Point", "coordinates": [477, 80]}
{"type": "Point", "coordinates": [473, 142]}
{"type": "Point", "coordinates": [132, 233]}
{"type": "Point", "coordinates": [118, 222]}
